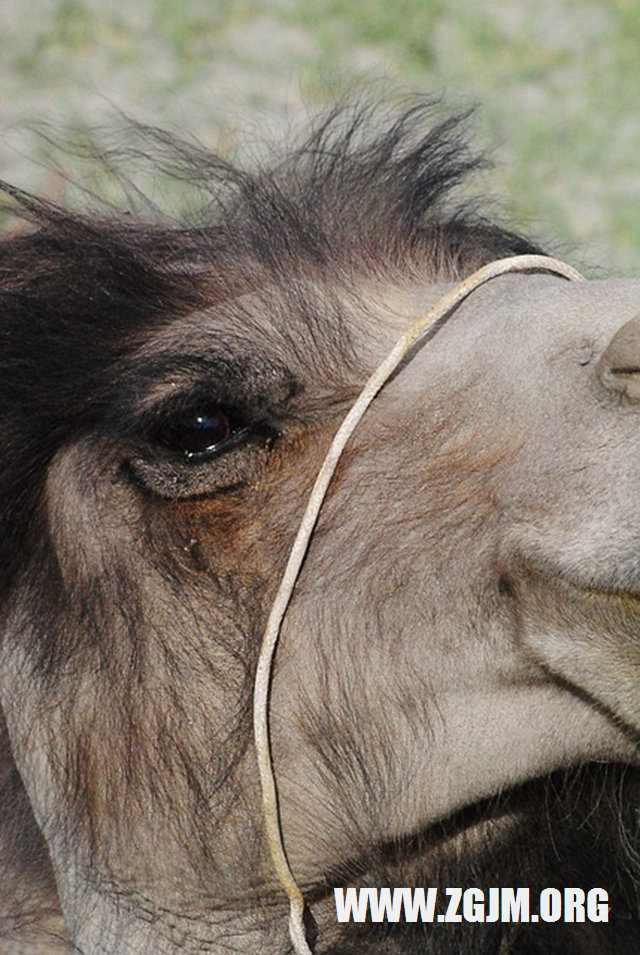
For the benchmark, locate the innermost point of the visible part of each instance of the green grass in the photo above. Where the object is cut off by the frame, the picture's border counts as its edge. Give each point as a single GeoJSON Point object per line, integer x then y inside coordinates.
{"type": "Point", "coordinates": [557, 84]}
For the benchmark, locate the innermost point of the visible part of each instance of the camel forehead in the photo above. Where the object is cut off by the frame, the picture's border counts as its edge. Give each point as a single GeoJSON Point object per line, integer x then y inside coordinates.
{"type": "Point", "coordinates": [544, 312]}
{"type": "Point", "coordinates": [521, 333]}
{"type": "Point", "coordinates": [508, 318]}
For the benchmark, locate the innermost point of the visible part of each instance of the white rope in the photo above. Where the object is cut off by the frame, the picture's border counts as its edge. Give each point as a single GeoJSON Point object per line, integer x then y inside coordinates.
{"type": "Point", "coordinates": [520, 263]}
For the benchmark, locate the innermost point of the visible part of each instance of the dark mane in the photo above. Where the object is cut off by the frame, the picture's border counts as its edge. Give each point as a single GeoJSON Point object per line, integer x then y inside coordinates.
{"type": "Point", "coordinates": [362, 189]}
{"type": "Point", "coordinates": [78, 291]}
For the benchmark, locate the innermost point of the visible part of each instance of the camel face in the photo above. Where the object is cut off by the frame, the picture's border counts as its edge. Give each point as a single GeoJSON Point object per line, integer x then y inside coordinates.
{"type": "Point", "coordinates": [456, 692]}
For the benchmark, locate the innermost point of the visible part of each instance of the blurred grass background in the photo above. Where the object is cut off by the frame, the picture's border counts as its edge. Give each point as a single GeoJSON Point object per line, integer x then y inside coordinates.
{"type": "Point", "coordinates": [557, 84]}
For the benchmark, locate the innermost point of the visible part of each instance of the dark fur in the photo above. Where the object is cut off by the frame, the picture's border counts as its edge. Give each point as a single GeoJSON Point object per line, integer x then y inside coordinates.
{"type": "Point", "coordinates": [80, 292]}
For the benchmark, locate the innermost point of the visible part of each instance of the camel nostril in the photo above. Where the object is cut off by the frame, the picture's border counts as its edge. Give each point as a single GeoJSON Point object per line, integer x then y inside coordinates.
{"type": "Point", "coordinates": [619, 367]}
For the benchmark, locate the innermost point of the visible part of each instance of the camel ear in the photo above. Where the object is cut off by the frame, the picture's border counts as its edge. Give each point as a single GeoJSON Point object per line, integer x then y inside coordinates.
{"type": "Point", "coordinates": [619, 367]}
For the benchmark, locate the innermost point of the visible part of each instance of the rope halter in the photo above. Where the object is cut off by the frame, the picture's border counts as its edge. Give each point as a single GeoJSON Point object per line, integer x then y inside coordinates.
{"type": "Point", "coordinates": [430, 320]}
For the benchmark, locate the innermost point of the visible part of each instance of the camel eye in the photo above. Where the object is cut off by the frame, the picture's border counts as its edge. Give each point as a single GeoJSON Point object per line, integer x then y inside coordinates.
{"type": "Point", "coordinates": [201, 433]}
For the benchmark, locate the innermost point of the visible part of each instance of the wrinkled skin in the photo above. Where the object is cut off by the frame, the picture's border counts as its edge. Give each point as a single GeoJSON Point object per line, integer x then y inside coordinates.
{"type": "Point", "coordinates": [466, 624]}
